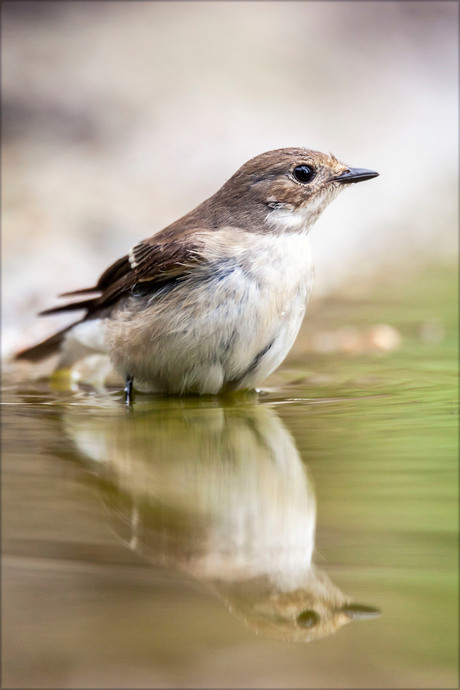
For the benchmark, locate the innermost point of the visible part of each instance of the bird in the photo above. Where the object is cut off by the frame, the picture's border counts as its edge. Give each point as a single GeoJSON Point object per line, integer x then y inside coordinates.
{"type": "Point", "coordinates": [213, 302]}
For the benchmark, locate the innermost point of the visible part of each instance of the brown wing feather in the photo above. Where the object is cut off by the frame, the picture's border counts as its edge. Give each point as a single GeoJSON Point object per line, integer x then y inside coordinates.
{"type": "Point", "coordinates": [152, 261]}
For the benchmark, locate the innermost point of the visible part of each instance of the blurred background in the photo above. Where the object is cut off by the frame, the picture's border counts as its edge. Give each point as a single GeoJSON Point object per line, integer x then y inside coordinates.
{"type": "Point", "coordinates": [118, 118]}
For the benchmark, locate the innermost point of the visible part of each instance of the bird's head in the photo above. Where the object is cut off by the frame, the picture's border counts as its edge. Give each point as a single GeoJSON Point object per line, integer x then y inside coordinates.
{"type": "Point", "coordinates": [289, 188]}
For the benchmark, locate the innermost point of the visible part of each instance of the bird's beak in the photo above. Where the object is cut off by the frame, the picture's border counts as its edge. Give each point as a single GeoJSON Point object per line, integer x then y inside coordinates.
{"type": "Point", "coordinates": [359, 612]}
{"type": "Point", "coordinates": [355, 175]}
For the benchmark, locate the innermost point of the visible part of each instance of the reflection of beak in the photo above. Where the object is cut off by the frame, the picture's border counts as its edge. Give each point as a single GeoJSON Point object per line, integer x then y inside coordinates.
{"type": "Point", "coordinates": [357, 612]}
{"type": "Point", "coordinates": [355, 175]}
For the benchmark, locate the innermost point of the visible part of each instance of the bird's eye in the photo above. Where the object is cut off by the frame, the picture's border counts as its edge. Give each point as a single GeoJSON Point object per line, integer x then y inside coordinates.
{"type": "Point", "coordinates": [303, 173]}
{"type": "Point", "coordinates": [307, 619]}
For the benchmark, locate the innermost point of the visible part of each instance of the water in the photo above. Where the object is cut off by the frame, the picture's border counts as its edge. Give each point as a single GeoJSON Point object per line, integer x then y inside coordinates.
{"type": "Point", "coordinates": [304, 537]}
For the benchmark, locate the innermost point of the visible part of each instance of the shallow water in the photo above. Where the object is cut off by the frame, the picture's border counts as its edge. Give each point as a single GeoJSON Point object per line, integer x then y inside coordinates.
{"type": "Point", "coordinates": [243, 542]}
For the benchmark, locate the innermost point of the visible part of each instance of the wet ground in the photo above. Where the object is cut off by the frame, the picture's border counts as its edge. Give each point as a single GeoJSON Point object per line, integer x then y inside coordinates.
{"type": "Point", "coordinates": [304, 537]}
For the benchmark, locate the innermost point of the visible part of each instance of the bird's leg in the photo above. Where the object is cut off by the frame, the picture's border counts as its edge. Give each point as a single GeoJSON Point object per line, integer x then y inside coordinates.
{"type": "Point", "coordinates": [129, 390]}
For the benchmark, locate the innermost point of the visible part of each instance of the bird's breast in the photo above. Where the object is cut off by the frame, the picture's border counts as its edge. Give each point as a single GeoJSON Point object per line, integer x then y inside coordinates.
{"type": "Point", "coordinates": [274, 281]}
{"type": "Point", "coordinates": [281, 266]}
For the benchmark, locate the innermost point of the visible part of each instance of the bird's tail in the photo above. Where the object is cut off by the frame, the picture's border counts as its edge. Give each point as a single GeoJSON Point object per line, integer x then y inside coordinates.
{"type": "Point", "coordinates": [48, 347]}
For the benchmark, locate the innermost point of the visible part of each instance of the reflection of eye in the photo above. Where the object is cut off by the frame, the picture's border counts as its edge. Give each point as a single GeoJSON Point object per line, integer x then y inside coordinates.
{"type": "Point", "coordinates": [307, 619]}
{"type": "Point", "coordinates": [303, 173]}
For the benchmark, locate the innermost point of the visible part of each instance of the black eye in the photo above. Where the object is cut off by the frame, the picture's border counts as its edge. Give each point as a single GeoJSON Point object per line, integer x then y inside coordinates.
{"type": "Point", "coordinates": [307, 619]}
{"type": "Point", "coordinates": [303, 173]}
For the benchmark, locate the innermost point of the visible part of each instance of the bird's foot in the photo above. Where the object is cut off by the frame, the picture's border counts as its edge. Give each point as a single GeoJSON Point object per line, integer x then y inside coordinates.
{"type": "Point", "coordinates": [129, 390]}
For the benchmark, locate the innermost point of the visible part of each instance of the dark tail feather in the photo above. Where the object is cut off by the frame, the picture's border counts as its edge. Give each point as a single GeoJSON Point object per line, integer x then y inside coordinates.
{"type": "Point", "coordinates": [48, 347]}
{"type": "Point", "coordinates": [84, 291]}
{"type": "Point", "coordinates": [73, 306]}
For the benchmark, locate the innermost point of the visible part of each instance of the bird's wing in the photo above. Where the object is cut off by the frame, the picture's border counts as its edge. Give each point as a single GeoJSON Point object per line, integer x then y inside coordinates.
{"type": "Point", "coordinates": [150, 263]}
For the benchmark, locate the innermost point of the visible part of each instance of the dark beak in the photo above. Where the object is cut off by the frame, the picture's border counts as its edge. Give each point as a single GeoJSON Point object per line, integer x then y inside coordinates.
{"type": "Point", "coordinates": [355, 175]}
{"type": "Point", "coordinates": [360, 612]}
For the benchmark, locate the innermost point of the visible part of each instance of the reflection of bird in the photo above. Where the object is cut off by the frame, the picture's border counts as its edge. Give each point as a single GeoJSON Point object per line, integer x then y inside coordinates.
{"type": "Point", "coordinates": [214, 301]}
{"type": "Point", "coordinates": [221, 494]}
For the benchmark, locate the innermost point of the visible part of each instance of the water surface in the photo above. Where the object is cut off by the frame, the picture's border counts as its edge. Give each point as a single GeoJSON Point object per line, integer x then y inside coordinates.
{"type": "Point", "coordinates": [248, 541]}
